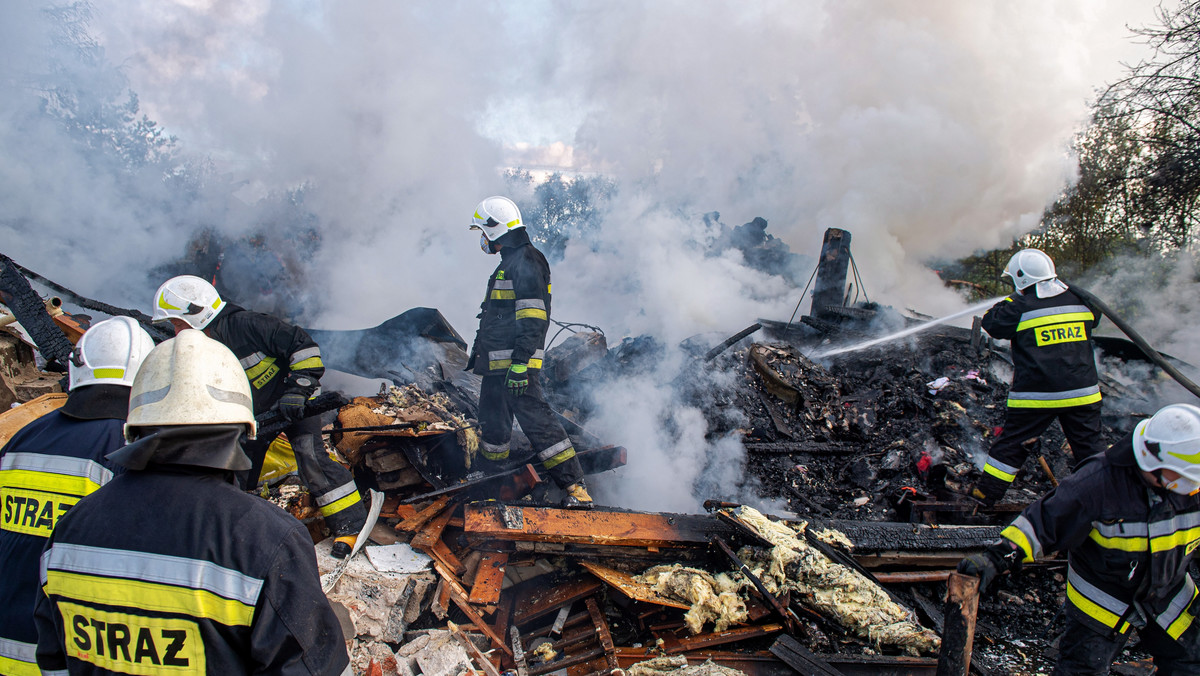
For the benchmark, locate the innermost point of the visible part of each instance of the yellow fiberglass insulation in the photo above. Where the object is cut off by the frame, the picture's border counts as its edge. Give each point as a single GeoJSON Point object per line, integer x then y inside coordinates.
{"type": "Point", "coordinates": [714, 598]}
{"type": "Point", "coordinates": [840, 593]}
{"type": "Point", "coordinates": [678, 666]}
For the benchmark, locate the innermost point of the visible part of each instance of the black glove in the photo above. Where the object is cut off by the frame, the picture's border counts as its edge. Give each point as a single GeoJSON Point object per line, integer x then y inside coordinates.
{"type": "Point", "coordinates": [988, 490]}
{"type": "Point", "coordinates": [518, 379]}
{"type": "Point", "coordinates": [291, 405]}
{"type": "Point", "coordinates": [981, 566]}
{"type": "Point", "coordinates": [996, 559]}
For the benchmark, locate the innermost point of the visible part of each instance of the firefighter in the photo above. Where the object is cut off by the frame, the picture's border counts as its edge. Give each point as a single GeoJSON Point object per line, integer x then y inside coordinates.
{"type": "Point", "coordinates": [1054, 370]}
{"type": "Point", "coordinates": [170, 567]}
{"type": "Point", "coordinates": [53, 462]}
{"type": "Point", "coordinates": [1127, 519]}
{"type": "Point", "coordinates": [508, 351]}
{"type": "Point", "coordinates": [284, 368]}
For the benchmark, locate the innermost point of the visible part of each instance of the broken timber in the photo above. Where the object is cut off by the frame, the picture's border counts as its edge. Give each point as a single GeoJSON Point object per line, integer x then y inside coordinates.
{"type": "Point", "coordinates": [962, 603]}
{"type": "Point", "coordinates": [599, 526]}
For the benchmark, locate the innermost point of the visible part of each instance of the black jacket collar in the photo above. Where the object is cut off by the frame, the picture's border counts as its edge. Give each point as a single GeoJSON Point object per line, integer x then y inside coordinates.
{"type": "Point", "coordinates": [97, 402]}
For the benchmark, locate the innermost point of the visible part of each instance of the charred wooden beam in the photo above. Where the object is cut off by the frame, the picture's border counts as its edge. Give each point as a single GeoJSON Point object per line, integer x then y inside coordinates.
{"type": "Point", "coordinates": [507, 485]}
{"type": "Point", "coordinates": [602, 632]}
{"type": "Point", "coordinates": [800, 658]}
{"type": "Point", "coordinates": [962, 602]}
{"type": "Point", "coordinates": [716, 638]}
{"type": "Point", "coordinates": [461, 599]}
{"type": "Point", "coordinates": [881, 536]}
{"type": "Point", "coordinates": [534, 599]}
{"type": "Point", "coordinates": [599, 526]}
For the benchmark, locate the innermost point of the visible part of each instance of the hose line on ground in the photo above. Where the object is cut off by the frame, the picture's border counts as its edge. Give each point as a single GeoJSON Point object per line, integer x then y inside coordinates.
{"type": "Point", "coordinates": [1137, 339]}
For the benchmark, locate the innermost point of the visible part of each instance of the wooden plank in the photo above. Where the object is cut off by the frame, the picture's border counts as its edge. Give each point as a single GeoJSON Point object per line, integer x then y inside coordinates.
{"type": "Point", "coordinates": [535, 599]}
{"type": "Point", "coordinates": [489, 576]}
{"type": "Point", "coordinates": [459, 596]}
{"type": "Point", "coordinates": [598, 526]}
{"type": "Point", "coordinates": [431, 532]}
{"type": "Point", "coordinates": [631, 587]}
{"type": "Point", "coordinates": [602, 631]}
{"type": "Point", "coordinates": [479, 658]}
{"type": "Point", "coordinates": [414, 522]}
{"type": "Point", "coordinates": [701, 641]}
{"type": "Point", "coordinates": [962, 602]}
{"type": "Point", "coordinates": [441, 552]}
{"type": "Point", "coordinates": [912, 577]}
{"type": "Point", "coordinates": [800, 658]}
{"type": "Point", "coordinates": [12, 420]}
{"type": "Point", "coordinates": [507, 486]}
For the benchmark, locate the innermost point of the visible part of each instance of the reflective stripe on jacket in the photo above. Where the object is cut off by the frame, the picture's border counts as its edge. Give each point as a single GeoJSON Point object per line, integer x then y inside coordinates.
{"type": "Point", "coordinates": [217, 582]}
{"type": "Point", "coordinates": [45, 469]}
{"type": "Point", "coordinates": [1128, 546]}
{"type": "Point", "coordinates": [515, 314]}
{"type": "Point", "coordinates": [272, 351]}
{"type": "Point", "coordinates": [1053, 362]}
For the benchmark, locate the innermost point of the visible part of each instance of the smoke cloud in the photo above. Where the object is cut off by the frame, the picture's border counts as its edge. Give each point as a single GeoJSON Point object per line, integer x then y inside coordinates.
{"type": "Point", "coordinates": [928, 129]}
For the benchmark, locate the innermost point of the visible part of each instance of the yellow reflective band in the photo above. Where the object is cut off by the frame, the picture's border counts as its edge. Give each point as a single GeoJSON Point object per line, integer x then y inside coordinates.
{"type": "Point", "coordinates": [548, 287]}
{"type": "Point", "coordinates": [1093, 610]}
{"type": "Point", "coordinates": [108, 373]}
{"type": "Point", "coordinates": [1061, 333]}
{"type": "Point", "coordinates": [502, 455]}
{"type": "Point", "coordinates": [216, 303]}
{"type": "Point", "coordinates": [115, 591]}
{"type": "Point", "coordinates": [1055, 319]}
{"type": "Point", "coordinates": [18, 668]}
{"type": "Point", "coordinates": [497, 364]}
{"type": "Point", "coordinates": [162, 303]}
{"type": "Point", "coordinates": [513, 223]}
{"type": "Point", "coordinates": [47, 481]}
{"type": "Point", "coordinates": [257, 370]}
{"type": "Point", "coordinates": [1182, 622]}
{"type": "Point", "coordinates": [132, 644]}
{"type": "Point", "coordinates": [1054, 403]}
{"type": "Point", "coordinates": [531, 313]}
{"type": "Point", "coordinates": [502, 294]}
{"type": "Point", "coordinates": [261, 373]}
{"type": "Point", "coordinates": [311, 363]}
{"type": "Point", "coordinates": [338, 505]}
{"type": "Point", "coordinates": [1179, 538]}
{"type": "Point", "coordinates": [560, 458]}
{"type": "Point", "coordinates": [33, 512]}
{"type": "Point", "coordinates": [1132, 544]}
{"type": "Point", "coordinates": [1008, 299]}
{"type": "Point", "coordinates": [1017, 536]}
{"type": "Point", "coordinates": [999, 474]}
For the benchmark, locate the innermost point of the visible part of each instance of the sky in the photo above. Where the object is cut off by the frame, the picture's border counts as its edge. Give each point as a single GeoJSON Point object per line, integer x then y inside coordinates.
{"type": "Point", "coordinates": [928, 128]}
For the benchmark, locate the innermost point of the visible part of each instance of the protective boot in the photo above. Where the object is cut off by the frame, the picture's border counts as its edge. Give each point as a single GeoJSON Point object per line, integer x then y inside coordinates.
{"type": "Point", "coordinates": [577, 496]}
{"type": "Point", "coordinates": [343, 546]}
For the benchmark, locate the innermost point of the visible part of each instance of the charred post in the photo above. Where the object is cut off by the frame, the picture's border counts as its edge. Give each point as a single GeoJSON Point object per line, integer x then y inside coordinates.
{"type": "Point", "coordinates": [832, 269]}
{"type": "Point", "coordinates": [962, 603]}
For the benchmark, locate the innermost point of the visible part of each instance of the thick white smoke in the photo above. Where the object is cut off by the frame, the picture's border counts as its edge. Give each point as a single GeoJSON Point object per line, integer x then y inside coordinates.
{"type": "Point", "coordinates": [926, 128]}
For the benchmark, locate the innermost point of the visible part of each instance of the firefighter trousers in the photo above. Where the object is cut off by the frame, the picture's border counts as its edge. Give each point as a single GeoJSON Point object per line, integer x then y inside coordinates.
{"type": "Point", "coordinates": [330, 484]}
{"type": "Point", "coordinates": [1080, 424]}
{"type": "Point", "coordinates": [551, 445]}
{"type": "Point", "coordinates": [1083, 652]}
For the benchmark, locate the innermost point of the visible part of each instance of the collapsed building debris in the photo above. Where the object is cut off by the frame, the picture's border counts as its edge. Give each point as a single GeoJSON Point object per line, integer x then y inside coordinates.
{"type": "Point", "coordinates": [470, 572]}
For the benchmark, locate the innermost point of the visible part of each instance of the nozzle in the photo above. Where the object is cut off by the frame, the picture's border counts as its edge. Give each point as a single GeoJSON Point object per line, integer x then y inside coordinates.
{"type": "Point", "coordinates": [343, 546]}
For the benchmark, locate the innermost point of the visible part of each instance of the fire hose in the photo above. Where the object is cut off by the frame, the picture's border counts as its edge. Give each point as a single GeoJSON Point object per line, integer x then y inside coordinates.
{"type": "Point", "coordinates": [1137, 339]}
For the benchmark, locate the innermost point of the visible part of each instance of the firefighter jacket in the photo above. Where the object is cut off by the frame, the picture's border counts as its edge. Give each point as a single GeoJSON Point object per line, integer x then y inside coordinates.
{"type": "Point", "coordinates": [516, 311]}
{"type": "Point", "coordinates": [172, 570]}
{"type": "Point", "coordinates": [1128, 545]}
{"type": "Point", "coordinates": [1053, 362]}
{"type": "Point", "coordinates": [47, 467]}
{"type": "Point", "coordinates": [277, 356]}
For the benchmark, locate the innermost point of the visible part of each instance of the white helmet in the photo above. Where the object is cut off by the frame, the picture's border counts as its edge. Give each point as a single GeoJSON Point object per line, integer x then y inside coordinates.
{"type": "Point", "coordinates": [190, 379]}
{"type": "Point", "coordinates": [1028, 267]}
{"type": "Point", "coordinates": [109, 353]}
{"type": "Point", "coordinates": [1170, 439]}
{"type": "Point", "coordinates": [495, 216]}
{"type": "Point", "coordinates": [189, 298]}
